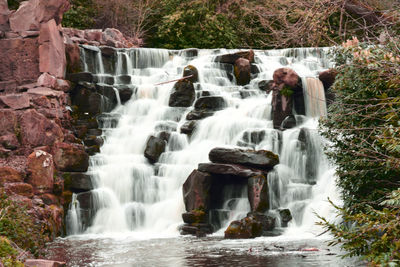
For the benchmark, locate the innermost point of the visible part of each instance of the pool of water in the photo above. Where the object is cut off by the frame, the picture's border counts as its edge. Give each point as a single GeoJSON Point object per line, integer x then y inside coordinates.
{"type": "Point", "coordinates": [127, 251]}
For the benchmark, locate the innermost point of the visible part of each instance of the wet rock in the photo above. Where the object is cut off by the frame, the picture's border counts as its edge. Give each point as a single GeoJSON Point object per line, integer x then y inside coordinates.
{"type": "Point", "coordinates": [191, 70]}
{"type": "Point", "coordinates": [254, 137]}
{"type": "Point", "coordinates": [328, 78]}
{"type": "Point", "coordinates": [43, 263]}
{"type": "Point", "coordinates": [242, 71]}
{"type": "Point", "coordinates": [51, 50]}
{"type": "Point", "coordinates": [164, 135]}
{"type": "Point", "coordinates": [196, 191]}
{"type": "Point", "coordinates": [183, 94]}
{"type": "Point", "coordinates": [37, 130]}
{"type": "Point", "coordinates": [77, 182]}
{"type": "Point", "coordinates": [21, 189]}
{"type": "Point", "coordinates": [311, 157]}
{"type": "Point", "coordinates": [208, 103]}
{"type": "Point", "coordinates": [154, 148]}
{"type": "Point", "coordinates": [92, 140]}
{"type": "Point", "coordinates": [124, 79]}
{"type": "Point", "coordinates": [68, 157]}
{"type": "Point", "coordinates": [198, 229]}
{"type": "Point", "coordinates": [80, 77]}
{"type": "Point", "coordinates": [107, 120]}
{"type": "Point", "coordinates": [286, 216]}
{"type": "Point", "coordinates": [41, 171]}
{"type": "Point", "coordinates": [286, 76]}
{"type": "Point", "coordinates": [288, 123]}
{"type": "Point", "coordinates": [190, 52]}
{"type": "Point", "coordinates": [257, 189]}
{"type": "Point", "coordinates": [9, 175]}
{"type": "Point", "coordinates": [265, 85]}
{"type": "Point", "coordinates": [231, 58]}
{"type": "Point", "coordinates": [194, 216]}
{"type": "Point", "coordinates": [125, 94]}
{"type": "Point", "coordinates": [31, 14]}
{"type": "Point", "coordinates": [254, 225]}
{"type": "Point", "coordinates": [229, 169]}
{"type": "Point", "coordinates": [199, 114]}
{"type": "Point", "coordinates": [188, 127]}
{"type": "Point", "coordinates": [262, 159]}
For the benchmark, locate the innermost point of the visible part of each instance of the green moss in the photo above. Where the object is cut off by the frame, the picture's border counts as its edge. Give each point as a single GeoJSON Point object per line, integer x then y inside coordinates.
{"type": "Point", "coordinates": [287, 91]}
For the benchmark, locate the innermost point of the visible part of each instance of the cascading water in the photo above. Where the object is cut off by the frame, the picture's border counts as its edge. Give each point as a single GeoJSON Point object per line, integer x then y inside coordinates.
{"type": "Point", "coordinates": [132, 195]}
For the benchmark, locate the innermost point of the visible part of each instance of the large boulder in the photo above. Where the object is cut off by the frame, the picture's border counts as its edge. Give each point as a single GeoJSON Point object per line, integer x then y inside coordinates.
{"type": "Point", "coordinates": [254, 225]}
{"type": "Point", "coordinates": [8, 122]}
{"type": "Point", "coordinates": [199, 114]}
{"type": "Point", "coordinates": [15, 101]}
{"type": "Point", "coordinates": [229, 169]}
{"type": "Point", "coordinates": [286, 76]}
{"type": "Point", "coordinates": [154, 148]}
{"type": "Point", "coordinates": [231, 58]}
{"type": "Point", "coordinates": [36, 130]}
{"type": "Point", "coordinates": [183, 94]}
{"type": "Point", "coordinates": [196, 191]}
{"type": "Point", "coordinates": [52, 50]}
{"type": "Point", "coordinates": [22, 189]}
{"type": "Point", "coordinates": [328, 78]}
{"type": "Point", "coordinates": [41, 171]}
{"type": "Point", "coordinates": [188, 127]}
{"type": "Point", "coordinates": [77, 182]}
{"type": "Point", "coordinates": [73, 58]}
{"type": "Point", "coordinates": [242, 71]}
{"type": "Point", "coordinates": [257, 190]}
{"type": "Point", "coordinates": [208, 103]}
{"type": "Point", "coordinates": [191, 70]}
{"type": "Point", "coordinates": [261, 159]}
{"type": "Point", "coordinates": [32, 13]}
{"type": "Point", "coordinates": [68, 157]}
{"type": "Point", "coordinates": [286, 216]}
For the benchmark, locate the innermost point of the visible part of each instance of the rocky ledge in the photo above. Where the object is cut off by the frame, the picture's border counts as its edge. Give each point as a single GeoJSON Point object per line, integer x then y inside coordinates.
{"type": "Point", "coordinates": [202, 192]}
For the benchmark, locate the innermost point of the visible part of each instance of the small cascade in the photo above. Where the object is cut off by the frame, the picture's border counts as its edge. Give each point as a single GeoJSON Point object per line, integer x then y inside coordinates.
{"type": "Point", "coordinates": [134, 194]}
{"type": "Point", "coordinates": [315, 97]}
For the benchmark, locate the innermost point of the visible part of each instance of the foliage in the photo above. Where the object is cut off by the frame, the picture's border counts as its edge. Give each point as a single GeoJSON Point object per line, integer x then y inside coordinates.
{"type": "Point", "coordinates": [372, 234]}
{"type": "Point", "coordinates": [363, 127]}
{"type": "Point", "coordinates": [19, 227]}
{"type": "Point", "coordinates": [81, 15]}
{"type": "Point", "coordinates": [196, 24]}
{"type": "Point", "coordinates": [13, 4]}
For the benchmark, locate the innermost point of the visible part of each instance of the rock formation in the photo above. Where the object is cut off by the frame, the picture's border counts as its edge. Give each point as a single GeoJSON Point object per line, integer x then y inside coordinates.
{"type": "Point", "coordinates": [202, 192]}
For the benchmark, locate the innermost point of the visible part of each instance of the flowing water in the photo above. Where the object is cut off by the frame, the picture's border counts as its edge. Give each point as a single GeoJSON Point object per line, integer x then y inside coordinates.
{"type": "Point", "coordinates": [137, 206]}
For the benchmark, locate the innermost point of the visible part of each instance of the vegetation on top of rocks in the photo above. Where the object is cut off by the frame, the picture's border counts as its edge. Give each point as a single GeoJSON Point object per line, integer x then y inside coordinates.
{"type": "Point", "coordinates": [363, 127]}
{"type": "Point", "coordinates": [238, 23]}
{"type": "Point", "coordinates": [18, 227]}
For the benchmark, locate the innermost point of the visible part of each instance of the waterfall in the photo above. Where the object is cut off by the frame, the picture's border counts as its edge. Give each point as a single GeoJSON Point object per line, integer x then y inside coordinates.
{"type": "Point", "coordinates": [133, 195]}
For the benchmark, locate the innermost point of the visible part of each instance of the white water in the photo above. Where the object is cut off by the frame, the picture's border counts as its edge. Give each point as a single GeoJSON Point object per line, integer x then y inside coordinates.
{"type": "Point", "coordinates": [134, 196]}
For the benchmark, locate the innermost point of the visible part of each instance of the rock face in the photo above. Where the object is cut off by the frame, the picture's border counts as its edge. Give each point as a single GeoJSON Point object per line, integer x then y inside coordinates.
{"type": "Point", "coordinates": [52, 49]}
{"type": "Point", "coordinates": [31, 14]}
{"type": "Point", "coordinates": [257, 190]}
{"type": "Point", "coordinates": [183, 94]}
{"type": "Point", "coordinates": [154, 148]}
{"type": "Point", "coordinates": [254, 225]}
{"type": "Point", "coordinates": [41, 171]}
{"type": "Point", "coordinates": [262, 159]}
{"type": "Point", "coordinates": [9, 175]}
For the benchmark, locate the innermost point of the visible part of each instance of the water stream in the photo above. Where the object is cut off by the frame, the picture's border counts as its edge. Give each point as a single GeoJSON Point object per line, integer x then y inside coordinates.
{"type": "Point", "coordinates": [136, 203]}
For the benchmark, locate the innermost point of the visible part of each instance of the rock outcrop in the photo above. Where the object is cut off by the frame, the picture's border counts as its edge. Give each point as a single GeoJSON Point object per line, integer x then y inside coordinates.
{"type": "Point", "coordinates": [237, 168]}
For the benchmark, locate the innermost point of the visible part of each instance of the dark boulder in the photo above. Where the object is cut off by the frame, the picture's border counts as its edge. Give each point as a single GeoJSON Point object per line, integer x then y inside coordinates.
{"type": "Point", "coordinates": [188, 127]}
{"type": "Point", "coordinates": [183, 94]}
{"type": "Point", "coordinates": [191, 70]}
{"type": "Point", "coordinates": [198, 114]}
{"type": "Point", "coordinates": [265, 85]}
{"type": "Point", "coordinates": [124, 79]}
{"type": "Point", "coordinates": [77, 182]}
{"type": "Point", "coordinates": [231, 58]}
{"type": "Point", "coordinates": [286, 76]}
{"type": "Point", "coordinates": [125, 94]}
{"type": "Point", "coordinates": [80, 77]}
{"type": "Point", "coordinates": [195, 216]}
{"type": "Point", "coordinates": [328, 78]}
{"type": "Point", "coordinates": [68, 157]}
{"type": "Point", "coordinates": [229, 169]}
{"type": "Point", "coordinates": [196, 191]}
{"type": "Point", "coordinates": [210, 103]}
{"type": "Point", "coordinates": [262, 159]}
{"type": "Point", "coordinates": [286, 216]}
{"type": "Point", "coordinates": [198, 229]}
{"type": "Point", "coordinates": [257, 190]}
{"type": "Point", "coordinates": [288, 123]}
{"type": "Point", "coordinates": [154, 148]}
{"type": "Point", "coordinates": [242, 71]}
{"type": "Point", "coordinates": [254, 225]}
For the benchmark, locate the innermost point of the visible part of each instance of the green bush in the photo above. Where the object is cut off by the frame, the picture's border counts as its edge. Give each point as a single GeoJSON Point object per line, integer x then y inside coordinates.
{"type": "Point", "coordinates": [81, 15]}
{"type": "Point", "coordinates": [363, 127]}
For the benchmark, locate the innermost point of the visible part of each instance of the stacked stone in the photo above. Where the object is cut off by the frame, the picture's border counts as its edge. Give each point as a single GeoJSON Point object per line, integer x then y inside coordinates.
{"type": "Point", "coordinates": [203, 187]}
